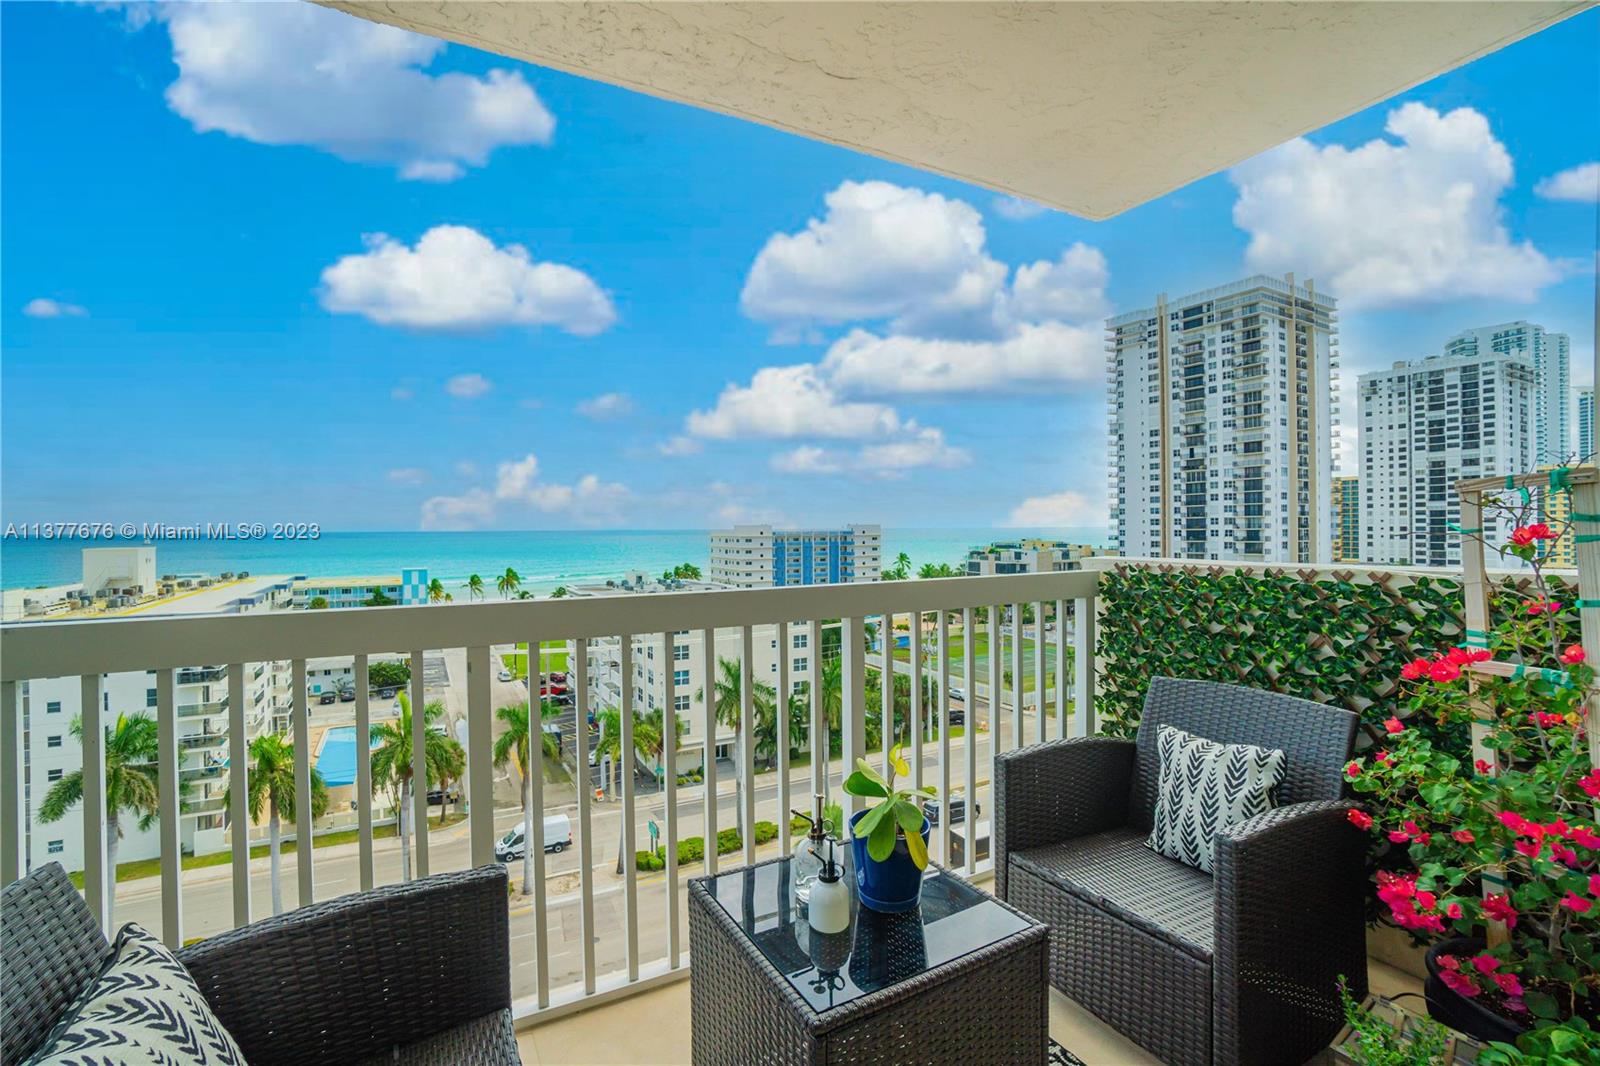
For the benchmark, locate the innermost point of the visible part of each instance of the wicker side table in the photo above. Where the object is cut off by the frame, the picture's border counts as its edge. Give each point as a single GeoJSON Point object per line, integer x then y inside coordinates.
{"type": "Point", "coordinates": [962, 980]}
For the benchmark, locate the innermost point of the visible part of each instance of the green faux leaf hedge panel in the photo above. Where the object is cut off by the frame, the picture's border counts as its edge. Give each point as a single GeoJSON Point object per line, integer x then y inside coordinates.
{"type": "Point", "coordinates": [1319, 635]}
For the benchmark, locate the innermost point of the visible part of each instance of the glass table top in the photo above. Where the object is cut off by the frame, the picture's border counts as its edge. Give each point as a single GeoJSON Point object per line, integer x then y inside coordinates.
{"type": "Point", "coordinates": [876, 950]}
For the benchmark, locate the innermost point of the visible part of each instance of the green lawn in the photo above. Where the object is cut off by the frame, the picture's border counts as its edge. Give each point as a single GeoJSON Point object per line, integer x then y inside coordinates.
{"type": "Point", "coordinates": [980, 652]}
{"type": "Point", "coordinates": [137, 868]}
{"type": "Point", "coordinates": [553, 652]}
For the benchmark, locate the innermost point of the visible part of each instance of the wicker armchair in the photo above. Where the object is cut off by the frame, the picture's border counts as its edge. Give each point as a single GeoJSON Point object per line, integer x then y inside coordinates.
{"type": "Point", "coordinates": [1240, 967]}
{"type": "Point", "coordinates": [414, 973]}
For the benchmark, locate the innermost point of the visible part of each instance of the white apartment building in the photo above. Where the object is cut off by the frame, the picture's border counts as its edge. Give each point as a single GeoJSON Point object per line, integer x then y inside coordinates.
{"type": "Point", "coordinates": [749, 557]}
{"type": "Point", "coordinates": [686, 665]}
{"type": "Point", "coordinates": [50, 751]}
{"type": "Point", "coordinates": [1551, 357]}
{"type": "Point", "coordinates": [1032, 556]}
{"type": "Point", "coordinates": [1426, 425]}
{"type": "Point", "coordinates": [1221, 412]}
{"type": "Point", "coordinates": [1586, 425]}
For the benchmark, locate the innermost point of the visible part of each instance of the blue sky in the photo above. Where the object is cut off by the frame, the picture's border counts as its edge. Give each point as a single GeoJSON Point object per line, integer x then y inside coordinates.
{"type": "Point", "coordinates": [482, 294]}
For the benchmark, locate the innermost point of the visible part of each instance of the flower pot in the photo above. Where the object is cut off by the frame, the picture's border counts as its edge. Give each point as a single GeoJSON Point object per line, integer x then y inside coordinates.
{"type": "Point", "coordinates": [890, 886]}
{"type": "Point", "coordinates": [1457, 1011]}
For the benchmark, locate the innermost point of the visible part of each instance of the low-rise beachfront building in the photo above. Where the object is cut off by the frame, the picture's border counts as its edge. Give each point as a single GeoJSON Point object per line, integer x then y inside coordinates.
{"type": "Point", "coordinates": [1031, 556]}
{"type": "Point", "coordinates": [408, 587]}
{"type": "Point", "coordinates": [752, 557]}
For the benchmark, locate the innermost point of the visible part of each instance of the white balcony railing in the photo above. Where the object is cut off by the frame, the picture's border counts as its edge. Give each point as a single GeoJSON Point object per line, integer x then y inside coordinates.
{"type": "Point", "coordinates": [91, 650]}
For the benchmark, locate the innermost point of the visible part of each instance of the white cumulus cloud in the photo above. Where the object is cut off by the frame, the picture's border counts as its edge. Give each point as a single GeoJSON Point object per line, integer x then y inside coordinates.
{"type": "Point", "coordinates": [468, 386]}
{"type": "Point", "coordinates": [302, 74]}
{"type": "Point", "coordinates": [1050, 355]}
{"type": "Point", "coordinates": [45, 307]}
{"type": "Point", "coordinates": [455, 278]}
{"type": "Point", "coordinates": [607, 407]}
{"type": "Point", "coordinates": [791, 401]}
{"type": "Point", "coordinates": [588, 501]}
{"type": "Point", "coordinates": [408, 475]}
{"type": "Point", "coordinates": [1017, 209]}
{"type": "Point", "coordinates": [921, 448]}
{"type": "Point", "coordinates": [1392, 222]}
{"type": "Point", "coordinates": [1058, 509]}
{"type": "Point", "coordinates": [1580, 183]}
{"type": "Point", "coordinates": [471, 510]}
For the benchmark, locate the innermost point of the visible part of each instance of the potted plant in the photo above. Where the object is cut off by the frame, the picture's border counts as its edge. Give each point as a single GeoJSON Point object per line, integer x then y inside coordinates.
{"type": "Point", "coordinates": [1501, 868]}
{"type": "Point", "coordinates": [889, 840]}
{"type": "Point", "coordinates": [1379, 1033]}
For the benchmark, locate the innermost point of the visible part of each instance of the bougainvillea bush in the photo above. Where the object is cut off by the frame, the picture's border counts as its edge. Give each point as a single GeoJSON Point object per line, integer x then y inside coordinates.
{"type": "Point", "coordinates": [1502, 846]}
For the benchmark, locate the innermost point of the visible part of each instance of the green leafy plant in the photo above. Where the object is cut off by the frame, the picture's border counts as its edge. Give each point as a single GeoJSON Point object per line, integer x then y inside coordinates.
{"type": "Point", "coordinates": [898, 817]}
{"type": "Point", "coordinates": [1378, 1042]}
{"type": "Point", "coordinates": [1569, 1043]}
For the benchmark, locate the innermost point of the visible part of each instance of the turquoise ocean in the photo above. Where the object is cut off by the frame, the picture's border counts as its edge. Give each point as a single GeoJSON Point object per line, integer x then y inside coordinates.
{"type": "Point", "coordinates": [544, 558]}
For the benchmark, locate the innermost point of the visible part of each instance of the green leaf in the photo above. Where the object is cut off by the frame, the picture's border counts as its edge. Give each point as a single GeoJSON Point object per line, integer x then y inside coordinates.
{"type": "Point", "coordinates": [880, 845]}
{"type": "Point", "coordinates": [859, 784]}
{"type": "Point", "coordinates": [870, 820]}
{"type": "Point", "coordinates": [908, 816]}
{"type": "Point", "coordinates": [865, 768]}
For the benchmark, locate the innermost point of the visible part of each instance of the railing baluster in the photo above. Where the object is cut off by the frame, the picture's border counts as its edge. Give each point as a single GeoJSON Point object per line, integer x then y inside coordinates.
{"type": "Point", "coordinates": [171, 836]}
{"type": "Point", "coordinates": [1040, 689]}
{"type": "Point", "coordinates": [943, 713]}
{"type": "Point", "coordinates": [997, 689]}
{"type": "Point", "coordinates": [886, 684]}
{"type": "Point", "coordinates": [969, 716]}
{"type": "Point", "coordinates": [1018, 687]}
{"type": "Point", "coordinates": [821, 743]}
{"type": "Point", "coordinates": [239, 793]}
{"type": "Point", "coordinates": [95, 881]}
{"type": "Point", "coordinates": [708, 751]}
{"type": "Point", "coordinates": [746, 753]}
{"type": "Point", "coordinates": [630, 876]}
{"type": "Point", "coordinates": [533, 772]}
{"type": "Point", "coordinates": [782, 713]}
{"type": "Point", "coordinates": [669, 776]}
{"type": "Point", "coordinates": [1063, 704]}
{"type": "Point", "coordinates": [480, 757]}
{"type": "Point", "coordinates": [914, 705]}
{"type": "Point", "coordinates": [304, 843]}
{"type": "Point", "coordinates": [363, 772]}
{"type": "Point", "coordinates": [419, 762]}
{"type": "Point", "coordinates": [579, 670]}
{"type": "Point", "coordinates": [1083, 718]}
{"type": "Point", "coordinates": [853, 706]}
{"type": "Point", "coordinates": [11, 860]}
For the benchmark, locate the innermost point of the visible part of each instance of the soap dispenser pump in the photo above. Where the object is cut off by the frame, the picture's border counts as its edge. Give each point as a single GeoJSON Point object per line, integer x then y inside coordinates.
{"type": "Point", "coordinates": [829, 908]}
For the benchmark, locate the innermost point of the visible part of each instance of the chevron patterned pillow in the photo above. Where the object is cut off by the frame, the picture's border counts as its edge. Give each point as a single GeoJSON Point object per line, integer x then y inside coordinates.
{"type": "Point", "coordinates": [145, 1008]}
{"type": "Point", "coordinates": [1205, 787]}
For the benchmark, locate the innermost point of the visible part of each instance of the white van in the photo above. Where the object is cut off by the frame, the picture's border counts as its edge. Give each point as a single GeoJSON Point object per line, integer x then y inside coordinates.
{"type": "Point", "coordinates": [557, 838]}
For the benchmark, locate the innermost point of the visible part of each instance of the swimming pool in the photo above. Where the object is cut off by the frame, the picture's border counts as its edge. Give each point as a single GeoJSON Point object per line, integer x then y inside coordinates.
{"type": "Point", "coordinates": [337, 759]}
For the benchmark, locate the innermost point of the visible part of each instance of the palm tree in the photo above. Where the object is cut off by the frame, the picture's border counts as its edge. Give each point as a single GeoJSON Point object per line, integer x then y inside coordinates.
{"type": "Point", "coordinates": [508, 583]}
{"type": "Point", "coordinates": [728, 701]}
{"type": "Point", "coordinates": [686, 572]}
{"type": "Point", "coordinates": [436, 593]}
{"type": "Point", "coordinates": [513, 744]}
{"type": "Point", "coordinates": [560, 593]}
{"type": "Point", "coordinates": [452, 766]}
{"type": "Point", "coordinates": [645, 736]}
{"type": "Point", "coordinates": [475, 587]}
{"type": "Point", "coordinates": [391, 764]}
{"type": "Point", "coordinates": [271, 785]}
{"type": "Point", "coordinates": [131, 785]}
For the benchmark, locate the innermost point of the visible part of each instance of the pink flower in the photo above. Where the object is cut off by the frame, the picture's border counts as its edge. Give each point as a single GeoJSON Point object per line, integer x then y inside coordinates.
{"type": "Point", "coordinates": [1564, 854]}
{"type": "Point", "coordinates": [1453, 911]}
{"type": "Point", "coordinates": [1458, 655]}
{"type": "Point", "coordinates": [1594, 885]}
{"type": "Point", "coordinates": [1426, 900]}
{"type": "Point", "coordinates": [1479, 655]}
{"type": "Point", "coordinates": [1398, 837]}
{"type": "Point", "coordinates": [1576, 903]}
{"type": "Point", "coordinates": [1417, 834]}
{"type": "Point", "coordinates": [1486, 963]}
{"type": "Point", "coordinates": [1590, 784]}
{"type": "Point", "coordinates": [1536, 607]}
{"type": "Point", "coordinates": [1394, 725]}
{"type": "Point", "coordinates": [1518, 824]}
{"type": "Point", "coordinates": [1443, 670]}
{"type": "Point", "coordinates": [1499, 909]}
{"type": "Point", "coordinates": [1585, 837]}
{"type": "Point", "coordinates": [1545, 719]}
{"type": "Point", "coordinates": [1530, 848]}
{"type": "Point", "coordinates": [1461, 985]}
{"type": "Point", "coordinates": [1353, 770]}
{"type": "Point", "coordinates": [1413, 670]}
{"type": "Point", "coordinates": [1483, 766]}
{"type": "Point", "coordinates": [1508, 983]}
{"type": "Point", "coordinates": [1463, 836]}
{"type": "Point", "coordinates": [1573, 655]}
{"type": "Point", "coordinates": [1384, 758]}
{"type": "Point", "coordinates": [1359, 818]}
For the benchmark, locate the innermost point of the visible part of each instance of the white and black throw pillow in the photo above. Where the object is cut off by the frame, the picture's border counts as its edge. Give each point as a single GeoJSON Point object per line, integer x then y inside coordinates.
{"type": "Point", "coordinates": [145, 1008]}
{"type": "Point", "coordinates": [1205, 787]}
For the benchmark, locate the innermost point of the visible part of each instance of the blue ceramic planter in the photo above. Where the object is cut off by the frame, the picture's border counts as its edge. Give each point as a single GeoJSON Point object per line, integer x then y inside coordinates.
{"type": "Point", "coordinates": [890, 886]}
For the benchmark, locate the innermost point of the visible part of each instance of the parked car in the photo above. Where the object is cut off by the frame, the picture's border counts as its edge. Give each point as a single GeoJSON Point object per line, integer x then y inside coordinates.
{"type": "Point", "coordinates": [436, 796]}
{"type": "Point", "coordinates": [506, 675]}
{"type": "Point", "coordinates": [347, 695]}
{"type": "Point", "coordinates": [387, 692]}
{"type": "Point", "coordinates": [557, 838]}
{"type": "Point", "coordinates": [558, 676]}
{"type": "Point", "coordinates": [958, 694]}
{"type": "Point", "coordinates": [958, 809]}
{"type": "Point", "coordinates": [328, 697]}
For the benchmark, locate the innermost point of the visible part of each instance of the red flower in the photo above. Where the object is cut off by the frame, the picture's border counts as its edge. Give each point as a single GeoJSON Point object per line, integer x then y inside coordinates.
{"type": "Point", "coordinates": [1576, 903]}
{"type": "Point", "coordinates": [1463, 836]}
{"type": "Point", "coordinates": [1398, 837]}
{"type": "Point", "coordinates": [1415, 669]}
{"type": "Point", "coordinates": [1553, 606]}
{"type": "Point", "coordinates": [1418, 835]}
{"type": "Point", "coordinates": [1564, 854]}
{"type": "Point", "coordinates": [1590, 783]}
{"type": "Point", "coordinates": [1359, 818]}
{"type": "Point", "coordinates": [1499, 909]}
{"type": "Point", "coordinates": [1522, 536]}
{"type": "Point", "coordinates": [1453, 911]}
{"type": "Point", "coordinates": [1585, 837]}
{"type": "Point", "coordinates": [1518, 824]}
{"type": "Point", "coordinates": [1353, 770]}
{"type": "Point", "coordinates": [1383, 757]}
{"type": "Point", "coordinates": [1483, 767]}
{"type": "Point", "coordinates": [1573, 655]}
{"type": "Point", "coordinates": [1426, 900]}
{"type": "Point", "coordinates": [1541, 531]}
{"type": "Point", "coordinates": [1458, 655]}
{"type": "Point", "coordinates": [1545, 719]}
{"type": "Point", "coordinates": [1461, 985]}
{"type": "Point", "coordinates": [1530, 848]}
{"type": "Point", "coordinates": [1443, 670]}
{"type": "Point", "coordinates": [1486, 963]}
{"type": "Point", "coordinates": [1449, 962]}
{"type": "Point", "coordinates": [1479, 655]}
{"type": "Point", "coordinates": [1594, 885]}
{"type": "Point", "coordinates": [1508, 983]}
{"type": "Point", "coordinates": [1394, 725]}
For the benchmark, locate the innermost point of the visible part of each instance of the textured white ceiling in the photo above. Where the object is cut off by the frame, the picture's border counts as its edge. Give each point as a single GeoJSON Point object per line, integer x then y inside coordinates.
{"type": "Point", "coordinates": [1089, 107]}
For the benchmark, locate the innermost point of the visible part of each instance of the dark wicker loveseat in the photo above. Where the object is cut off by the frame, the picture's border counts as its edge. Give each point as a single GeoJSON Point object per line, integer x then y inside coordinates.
{"type": "Point", "coordinates": [414, 973]}
{"type": "Point", "coordinates": [1240, 967]}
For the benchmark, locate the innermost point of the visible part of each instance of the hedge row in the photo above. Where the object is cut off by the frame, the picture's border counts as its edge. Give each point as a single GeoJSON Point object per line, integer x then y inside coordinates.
{"type": "Point", "coordinates": [693, 849]}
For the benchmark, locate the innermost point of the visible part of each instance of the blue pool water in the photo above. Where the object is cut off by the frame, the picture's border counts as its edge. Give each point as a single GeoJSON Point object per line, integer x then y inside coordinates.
{"type": "Point", "coordinates": [337, 760]}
